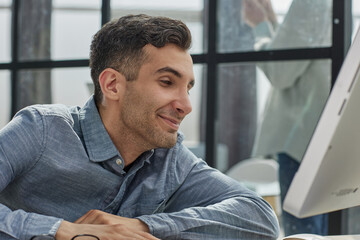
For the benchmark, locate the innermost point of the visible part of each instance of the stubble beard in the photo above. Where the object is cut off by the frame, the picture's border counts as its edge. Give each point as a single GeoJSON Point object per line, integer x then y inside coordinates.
{"type": "Point", "coordinates": [142, 128]}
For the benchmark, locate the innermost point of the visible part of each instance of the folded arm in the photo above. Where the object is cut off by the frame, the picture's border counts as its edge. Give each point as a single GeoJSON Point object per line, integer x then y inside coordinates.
{"type": "Point", "coordinates": [208, 205]}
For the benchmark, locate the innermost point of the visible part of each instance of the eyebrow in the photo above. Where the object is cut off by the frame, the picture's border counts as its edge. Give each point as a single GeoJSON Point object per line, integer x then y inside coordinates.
{"type": "Point", "coordinates": [175, 72]}
{"type": "Point", "coordinates": [170, 70]}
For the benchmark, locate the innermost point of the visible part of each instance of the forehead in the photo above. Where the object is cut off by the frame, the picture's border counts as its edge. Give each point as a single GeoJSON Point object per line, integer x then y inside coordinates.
{"type": "Point", "coordinates": [169, 56]}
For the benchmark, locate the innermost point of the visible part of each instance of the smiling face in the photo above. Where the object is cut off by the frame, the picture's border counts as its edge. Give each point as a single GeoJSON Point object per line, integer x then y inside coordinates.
{"type": "Point", "coordinates": [156, 102]}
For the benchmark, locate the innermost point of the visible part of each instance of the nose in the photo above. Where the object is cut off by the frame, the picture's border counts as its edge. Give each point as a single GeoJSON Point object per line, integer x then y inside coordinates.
{"type": "Point", "coordinates": [183, 104]}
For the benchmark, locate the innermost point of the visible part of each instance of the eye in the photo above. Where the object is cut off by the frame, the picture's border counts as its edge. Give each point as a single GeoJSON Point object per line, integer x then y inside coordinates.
{"type": "Point", "coordinates": [166, 82]}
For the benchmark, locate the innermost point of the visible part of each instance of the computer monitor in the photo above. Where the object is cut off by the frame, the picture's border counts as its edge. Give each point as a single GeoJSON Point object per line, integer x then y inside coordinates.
{"type": "Point", "coordinates": [328, 178]}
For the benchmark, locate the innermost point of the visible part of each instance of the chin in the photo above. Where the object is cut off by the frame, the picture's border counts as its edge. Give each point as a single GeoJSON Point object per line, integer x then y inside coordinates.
{"type": "Point", "coordinates": [168, 141]}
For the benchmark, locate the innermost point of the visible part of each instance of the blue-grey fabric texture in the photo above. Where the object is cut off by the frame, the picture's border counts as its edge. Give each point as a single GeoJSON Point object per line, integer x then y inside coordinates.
{"type": "Point", "coordinates": [58, 162]}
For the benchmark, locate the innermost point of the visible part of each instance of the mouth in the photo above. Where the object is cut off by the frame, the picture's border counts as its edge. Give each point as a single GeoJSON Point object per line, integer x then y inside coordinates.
{"type": "Point", "coordinates": [170, 122]}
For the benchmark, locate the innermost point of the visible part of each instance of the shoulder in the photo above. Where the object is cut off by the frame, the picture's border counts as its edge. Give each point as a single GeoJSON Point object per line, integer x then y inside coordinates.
{"type": "Point", "coordinates": [48, 112]}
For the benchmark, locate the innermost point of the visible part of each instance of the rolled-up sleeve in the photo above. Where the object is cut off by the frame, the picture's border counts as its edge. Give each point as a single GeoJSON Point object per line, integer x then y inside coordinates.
{"type": "Point", "coordinates": [210, 205]}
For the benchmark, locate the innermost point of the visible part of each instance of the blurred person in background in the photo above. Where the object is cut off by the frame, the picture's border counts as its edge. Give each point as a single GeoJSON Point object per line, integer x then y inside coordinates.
{"type": "Point", "coordinates": [298, 93]}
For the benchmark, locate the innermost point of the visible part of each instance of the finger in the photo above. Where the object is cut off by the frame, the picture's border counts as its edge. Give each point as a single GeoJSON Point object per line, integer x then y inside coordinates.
{"type": "Point", "coordinates": [88, 217]}
{"type": "Point", "coordinates": [80, 220]}
{"type": "Point", "coordinates": [148, 236]}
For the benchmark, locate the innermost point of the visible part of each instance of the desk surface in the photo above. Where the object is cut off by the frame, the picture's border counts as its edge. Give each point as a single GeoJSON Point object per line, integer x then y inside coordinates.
{"type": "Point", "coordinates": [345, 237]}
{"type": "Point", "coordinates": [315, 237]}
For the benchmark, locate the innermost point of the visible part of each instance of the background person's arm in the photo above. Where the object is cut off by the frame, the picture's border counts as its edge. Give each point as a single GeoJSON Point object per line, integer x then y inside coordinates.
{"type": "Point", "coordinates": [306, 24]}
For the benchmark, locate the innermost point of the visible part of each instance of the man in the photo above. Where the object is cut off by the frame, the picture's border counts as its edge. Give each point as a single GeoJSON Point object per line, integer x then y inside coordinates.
{"type": "Point", "coordinates": [121, 154]}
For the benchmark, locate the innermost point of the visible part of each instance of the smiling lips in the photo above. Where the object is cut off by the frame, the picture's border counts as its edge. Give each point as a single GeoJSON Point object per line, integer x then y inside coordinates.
{"type": "Point", "coordinates": [171, 122]}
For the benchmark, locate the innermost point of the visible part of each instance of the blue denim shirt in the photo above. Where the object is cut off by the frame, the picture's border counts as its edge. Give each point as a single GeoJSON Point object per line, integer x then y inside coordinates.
{"type": "Point", "coordinates": [58, 162]}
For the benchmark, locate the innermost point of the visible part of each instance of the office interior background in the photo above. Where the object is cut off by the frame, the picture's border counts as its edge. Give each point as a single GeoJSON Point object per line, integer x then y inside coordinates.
{"type": "Point", "coordinates": [44, 50]}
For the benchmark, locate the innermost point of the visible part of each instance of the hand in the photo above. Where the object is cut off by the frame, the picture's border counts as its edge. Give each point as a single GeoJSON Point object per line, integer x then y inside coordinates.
{"type": "Point", "coordinates": [67, 230]}
{"type": "Point", "coordinates": [266, 4]}
{"type": "Point", "coordinates": [100, 217]}
{"type": "Point", "coordinates": [257, 11]}
{"type": "Point", "coordinates": [253, 12]}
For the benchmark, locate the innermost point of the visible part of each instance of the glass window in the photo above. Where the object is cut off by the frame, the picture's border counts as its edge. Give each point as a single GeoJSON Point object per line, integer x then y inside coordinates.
{"type": "Point", "coordinates": [356, 16]}
{"type": "Point", "coordinates": [250, 25]}
{"type": "Point", "coordinates": [34, 30]}
{"type": "Point", "coordinates": [33, 87]}
{"type": "Point", "coordinates": [266, 108]}
{"type": "Point", "coordinates": [5, 32]}
{"type": "Point", "coordinates": [71, 86]}
{"type": "Point", "coordinates": [73, 25]}
{"type": "Point", "coordinates": [62, 30]}
{"type": "Point", "coordinates": [189, 11]}
{"type": "Point", "coordinates": [191, 124]}
{"type": "Point", "coordinates": [236, 123]}
{"type": "Point", "coordinates": [5, 90]}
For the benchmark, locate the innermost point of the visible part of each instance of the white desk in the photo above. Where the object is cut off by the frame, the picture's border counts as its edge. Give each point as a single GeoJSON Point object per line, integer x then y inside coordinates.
{"type": "Point", "coordinates": [345, 237]}
{"type": "Point", "coordinates": [335, 237]}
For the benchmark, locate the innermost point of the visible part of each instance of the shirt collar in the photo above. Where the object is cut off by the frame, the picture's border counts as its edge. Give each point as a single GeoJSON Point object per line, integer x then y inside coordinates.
{"type": "Point", "coordinates": [97, 141]}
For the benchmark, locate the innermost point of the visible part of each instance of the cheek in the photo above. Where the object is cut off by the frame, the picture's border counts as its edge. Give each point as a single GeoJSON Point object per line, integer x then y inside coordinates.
{"type": "Point", "coordinates": [147, 102]}
{"type": "Point", "coordinates": [138, 107]}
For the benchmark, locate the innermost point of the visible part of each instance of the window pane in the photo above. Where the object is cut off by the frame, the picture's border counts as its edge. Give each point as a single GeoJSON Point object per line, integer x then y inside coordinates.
{"type": "Point", "coordinates": [356, 16]}
{"type": "Point", "coordinates": [249, 26]}
{"type": "Point", "coordinates": [33, 87]}
{"type": "Point", "coordinates": [5, 90]}
{"type": "Point", "coordinates": [266, 108]}
{"type": "Point", "coordinates": [189, 11]}
{"type": "Point", "coordinates": [34, 30]}
{"type": "Point", "coordinates": [5, 24]}
{"type": "Point", "coordinates": [191, 124]}
{"type": "Point", "coordinates": [236, 123]}
{"type": "Point", "coordinates": [59, 31]}
{"type": "Point", "coordinates": [78, 4]}
{"type": "Point", "coordinates": [71, 86]}
{"type": "Point", "coordinates": [73, 25]}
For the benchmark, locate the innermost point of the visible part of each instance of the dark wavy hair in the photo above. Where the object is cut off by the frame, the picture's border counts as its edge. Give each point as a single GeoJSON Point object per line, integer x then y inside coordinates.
{"type": "Point", "coordinates": [119, 44]}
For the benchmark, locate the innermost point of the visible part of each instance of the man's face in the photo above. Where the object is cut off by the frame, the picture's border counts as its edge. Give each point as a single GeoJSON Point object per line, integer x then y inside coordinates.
{"type": "Point", "coordinates": [157, 101]}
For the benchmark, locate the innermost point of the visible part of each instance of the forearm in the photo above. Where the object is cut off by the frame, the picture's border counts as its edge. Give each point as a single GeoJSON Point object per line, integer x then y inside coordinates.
{"type": "Point", "coordinates": [281, 74]}
{"type": "Point", "coordinates": [210, 205]}
{"type": "Point", "coordinates": [236, 218]}
{"type": "Point", "coordinates": [22, 225]}
{"type": "Point", "coordinates": [104, 226]}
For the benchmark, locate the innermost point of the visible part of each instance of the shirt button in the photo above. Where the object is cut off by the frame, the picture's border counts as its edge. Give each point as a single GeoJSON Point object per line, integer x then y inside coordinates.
{"type": "Point", "coordinates": [118, 161]}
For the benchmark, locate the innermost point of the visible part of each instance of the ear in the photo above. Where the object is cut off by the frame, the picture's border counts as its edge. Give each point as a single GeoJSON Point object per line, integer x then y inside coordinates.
{"type": "Point", "coordinates": [111, 83]}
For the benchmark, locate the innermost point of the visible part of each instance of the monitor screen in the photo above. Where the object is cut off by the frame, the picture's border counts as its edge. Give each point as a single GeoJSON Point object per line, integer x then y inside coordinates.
{"type": "Point", "coordinates": [328, 178]}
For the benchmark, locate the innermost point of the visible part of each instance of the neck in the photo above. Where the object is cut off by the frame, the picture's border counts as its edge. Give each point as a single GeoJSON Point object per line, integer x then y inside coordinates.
{"type": "Point", "coordinates": [128, 145]}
